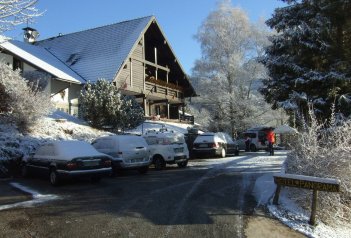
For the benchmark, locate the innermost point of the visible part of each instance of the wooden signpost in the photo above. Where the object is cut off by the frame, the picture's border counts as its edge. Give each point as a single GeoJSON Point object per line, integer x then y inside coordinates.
{"type": "Point", "coordinates": [306, 182]}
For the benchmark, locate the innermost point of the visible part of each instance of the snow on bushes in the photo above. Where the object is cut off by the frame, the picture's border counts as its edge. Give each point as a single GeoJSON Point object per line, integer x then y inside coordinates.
{"type": "Point", "coordinates": [104, 107]}
{"type": "Point", "coordinates": [21, 103]}
{"type": "Point", "coordinates": [324, 150]}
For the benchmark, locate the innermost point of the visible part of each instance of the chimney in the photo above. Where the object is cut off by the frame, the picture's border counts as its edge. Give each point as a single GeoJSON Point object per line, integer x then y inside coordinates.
{"type": "Point", "coordinates": [30, 34]}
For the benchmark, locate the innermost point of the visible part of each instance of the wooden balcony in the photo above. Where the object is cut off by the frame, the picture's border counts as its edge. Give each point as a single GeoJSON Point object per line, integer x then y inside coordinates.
{"type": "Point", "coordinates": [162, 88]}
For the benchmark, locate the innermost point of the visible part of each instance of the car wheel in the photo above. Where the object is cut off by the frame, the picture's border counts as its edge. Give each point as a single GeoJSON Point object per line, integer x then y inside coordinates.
{"type": "Point", "coordinates": [253, 148]}
{"type": "Point", "coordinates": [159, 163]}
{"type": "Point", "coordinates": [24, 171]}
{"type": "Point", "coordinates": [143, 170]}
{"type": "Point", "coordinates": [223, 153]}
{"type": "Point", "coordinates": [182, 164]}
{"type": "Point", "coordinates": [54, 180]}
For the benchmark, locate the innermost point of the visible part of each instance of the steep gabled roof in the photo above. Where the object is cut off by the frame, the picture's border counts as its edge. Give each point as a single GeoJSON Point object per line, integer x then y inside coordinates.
{"type": "Point", "coordinates": [42, 59]}
{"type": "Point", "coordinates": [98, 52]}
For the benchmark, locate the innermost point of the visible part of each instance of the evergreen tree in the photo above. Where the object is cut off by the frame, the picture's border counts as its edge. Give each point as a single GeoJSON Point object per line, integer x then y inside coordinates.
{"type": "Point", "coordinates": [132, 113]}
{"type": "Point", "coordinates": [104, 107]}
{"type": "Point", "coordinates": [309, 59]}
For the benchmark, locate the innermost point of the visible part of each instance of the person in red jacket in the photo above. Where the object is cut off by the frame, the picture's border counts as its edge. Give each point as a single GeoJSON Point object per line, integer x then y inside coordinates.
{"type": "Point", "coordinates": [271, 141]}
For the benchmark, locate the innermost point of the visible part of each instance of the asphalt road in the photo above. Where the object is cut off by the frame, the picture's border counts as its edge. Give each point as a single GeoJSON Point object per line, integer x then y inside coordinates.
{"type": "Point", "coordinates": [210, 198]}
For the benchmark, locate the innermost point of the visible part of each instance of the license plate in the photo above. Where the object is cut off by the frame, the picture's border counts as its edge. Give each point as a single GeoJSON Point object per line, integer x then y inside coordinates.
{"type": "Point", "coordinates": [91, 162]}
{"type": "Point", "coordinates": [203, 145]}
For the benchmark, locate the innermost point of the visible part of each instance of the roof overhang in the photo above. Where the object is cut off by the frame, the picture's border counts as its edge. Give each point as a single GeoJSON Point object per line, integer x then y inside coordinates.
{"type": "Point", "coordinates": [59, 70]}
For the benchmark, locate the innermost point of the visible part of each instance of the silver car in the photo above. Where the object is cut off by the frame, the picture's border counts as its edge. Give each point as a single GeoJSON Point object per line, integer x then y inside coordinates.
{"type": "Point", "coordinates": [128, 151]}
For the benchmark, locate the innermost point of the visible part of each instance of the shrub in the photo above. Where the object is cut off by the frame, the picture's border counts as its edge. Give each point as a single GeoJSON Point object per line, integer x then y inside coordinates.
{"type": "Point", "coordinates": [324, 150]}
{"type": "Point", "coordinates": [104, 107]}
{"type": "Point", "coordinates": [23, 104]}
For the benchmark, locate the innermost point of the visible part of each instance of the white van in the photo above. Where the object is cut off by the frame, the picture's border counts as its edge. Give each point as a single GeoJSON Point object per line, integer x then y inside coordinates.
{"type": "Point", "coordinates": [128, 151]}
{"type": "Point", "coordinates": [167, 147]}
{"type": "Point", "coordinates": [257, 136]}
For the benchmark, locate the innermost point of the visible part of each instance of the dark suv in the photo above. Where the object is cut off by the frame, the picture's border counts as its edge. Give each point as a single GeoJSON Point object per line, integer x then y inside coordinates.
{"type": "Point", "coordinates": [214, 144]}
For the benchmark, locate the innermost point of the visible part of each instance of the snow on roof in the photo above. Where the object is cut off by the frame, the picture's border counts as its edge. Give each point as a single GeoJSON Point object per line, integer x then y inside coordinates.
{"type": "Point", "coordinates": [99, 52]}
{"type": "Point", "coordinates": [42, 59]}
{"type": "Point", "coordinates": [285, 129]}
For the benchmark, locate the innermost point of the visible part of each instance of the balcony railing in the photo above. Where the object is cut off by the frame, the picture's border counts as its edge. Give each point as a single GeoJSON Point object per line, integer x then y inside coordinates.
{"type": "Point", "coordinates": [163, 87]}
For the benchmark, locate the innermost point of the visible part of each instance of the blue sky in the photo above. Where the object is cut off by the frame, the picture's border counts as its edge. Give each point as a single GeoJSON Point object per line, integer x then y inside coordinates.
{"type": "Point", "coordinates": [179, 19]}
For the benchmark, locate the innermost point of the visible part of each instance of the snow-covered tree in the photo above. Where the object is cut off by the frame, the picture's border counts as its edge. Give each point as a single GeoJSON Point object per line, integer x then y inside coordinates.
{"type": "Point", "coordinates": [324, 153]}
{"type": "Point", "coordinates": [309, 60]}
{"type": "Point", "coordinates": [20, 102]}
{"type": "Point", "coordinates": [227, 75]}
{"type": "Point", "coordinates": [132, 114]}
{"type": "Point", "coordinates": [102, 105]}
{"type": "Point", "coordinates": [16, 12]}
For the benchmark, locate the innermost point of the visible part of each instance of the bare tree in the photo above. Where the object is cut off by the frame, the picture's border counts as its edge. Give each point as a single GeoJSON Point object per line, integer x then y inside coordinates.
{"type": "Point", "coordinates": [16, 12]}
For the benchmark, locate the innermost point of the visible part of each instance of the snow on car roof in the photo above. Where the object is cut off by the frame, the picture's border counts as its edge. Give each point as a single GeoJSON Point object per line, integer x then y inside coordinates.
{"type": "Point", "coordinates": [73, 149]}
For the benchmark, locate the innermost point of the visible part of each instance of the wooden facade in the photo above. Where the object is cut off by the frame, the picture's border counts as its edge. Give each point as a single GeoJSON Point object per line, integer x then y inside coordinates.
{"type": "Point", "coordinates": [153, 75]}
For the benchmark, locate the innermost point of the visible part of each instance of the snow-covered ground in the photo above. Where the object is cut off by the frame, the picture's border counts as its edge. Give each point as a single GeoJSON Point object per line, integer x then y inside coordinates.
{"type": "Point", "coordinates": [157, 125]}
{"type": "Point", "coordinates": [61, 126]}
{"type": "Point", "coordinates": [291, 214]}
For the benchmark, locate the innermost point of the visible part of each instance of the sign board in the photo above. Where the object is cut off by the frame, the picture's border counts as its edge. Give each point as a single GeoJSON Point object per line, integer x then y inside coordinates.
{"type": "Point", "coordinates": [306, 182]}
{"type": "Point", "coordinates": [330, 185]}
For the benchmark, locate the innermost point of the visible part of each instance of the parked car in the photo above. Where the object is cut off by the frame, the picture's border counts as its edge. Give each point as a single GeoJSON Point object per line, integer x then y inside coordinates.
{"type": "Point", "coordinates": [257, 137]}
{"type": "Point", "coordinates": [214, 144]}
{"type": "Point", "coordinates": [67, 159]}
{"type": "Point", "coordinates": [128, 152]}
{"type": "Point", "coordinates": [167, 147]}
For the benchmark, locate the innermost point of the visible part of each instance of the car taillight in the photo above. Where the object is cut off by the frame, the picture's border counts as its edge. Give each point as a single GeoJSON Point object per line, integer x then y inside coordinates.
{"type": "Point", "coordinates": [71, 165]}
{"type": "Point", "coordinates": [215, 145]}
{"type": "Point", "coordinates": [107, 163]}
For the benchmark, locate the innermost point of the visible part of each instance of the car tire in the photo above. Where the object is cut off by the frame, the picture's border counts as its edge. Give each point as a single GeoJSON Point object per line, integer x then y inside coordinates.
{"type": "Point", "coordinates": [253, 148]}
{"type": "Point", "coordinates": [54, 180]}
{"type": "Point", "coordinates": [24, 171]}
{"type": "Point", "coordinates": [182, 164]}
{"type": "Point", "coordinates": [143, 170]}
{"type": "Point", "coordinates": [223, 153]}
{"type": "Point", "coordinates": [236, 152]}
{"type": "Point", "coordinates": [159, 163]}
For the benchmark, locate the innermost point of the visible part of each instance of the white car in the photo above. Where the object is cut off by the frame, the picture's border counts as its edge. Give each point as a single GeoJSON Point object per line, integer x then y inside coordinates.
{"type": "Point", "coordinates": [127, 151]}
{"type": "Point", "coordinates": [65, 159]}
{"type": "Point", "coordinates": [167, 148]}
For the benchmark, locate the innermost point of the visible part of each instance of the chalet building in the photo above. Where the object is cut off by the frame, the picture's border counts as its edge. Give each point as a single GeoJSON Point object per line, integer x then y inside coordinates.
{"type": "Point", "coordinates": [133, 55]}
